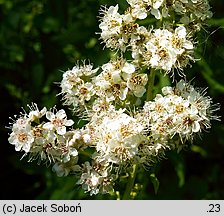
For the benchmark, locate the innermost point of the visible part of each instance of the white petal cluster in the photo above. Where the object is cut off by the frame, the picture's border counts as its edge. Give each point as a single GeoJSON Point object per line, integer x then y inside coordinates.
{"type": "Point", "coordinates": [23, 135]}
{"type": "Point", "coordinates": [76, 85]}
{"type": "Point", "coordinates": [96, 179]}
{"type": "Point", "coordinates": [190, 11]}
{"type": "Point", "coordinates": [116, 28]}
{"type": "Point", "coordinates": [141, 8]}
{"type": "Point", "coordinates": [22, 139]}
{"type": "Point", "coordinates": [44, 140]}
{"type": "Point", "coordinates": [161, 49]}
{"type": "Point", "coordinates": [58, 121]}
{"type": "Point", "coordinates": [119, 79]}
{"type": "Point", "coordinates": [166, 50]}
{"type": "Point", "coordinates": [181, 110]}
{"type": "Point", "coordinates": [117, 136]}
{"type": "Point", "coordinates": [120, 126]}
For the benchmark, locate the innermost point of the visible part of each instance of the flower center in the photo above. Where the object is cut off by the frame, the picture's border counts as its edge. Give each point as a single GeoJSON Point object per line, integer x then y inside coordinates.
{"type": "Point", "coordinates": [37, 132]}
{"type": "Point", "coordinates": [179, 108]}
{"type": "Point", "coordinates": [22, 137]}
{"type": "Point", "coordinates": [83, 90]}
{"type": "Point", "coordinates": [57, 122]}
{"type": "Point", "coordinates": [188, 121]}
{"type": "Point", "coordinates": [137, 80]}
{"type": "Point", "coordinates": [163, 53]}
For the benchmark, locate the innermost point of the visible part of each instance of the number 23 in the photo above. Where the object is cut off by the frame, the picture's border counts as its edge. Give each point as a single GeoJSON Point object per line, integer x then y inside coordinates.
{"type": "Point", "coordinates": [214, 208]}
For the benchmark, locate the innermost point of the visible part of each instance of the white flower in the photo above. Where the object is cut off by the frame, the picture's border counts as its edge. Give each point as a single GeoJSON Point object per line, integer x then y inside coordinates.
{"type": "Point", "coordinates": [45, 147]}
{"type": "Point", "coordinates": [23, 122]}
{"type": "Point", "coordinates": [90, 179]}
{"type": "Point", "coordinates": [35, 113]}
{"type": "Point", "coordinates": [136, 83]}
{"type": "Point", "coordinates": [117, 137]}
{"type": "Point", "coordinates": [117, 29]}
{"type": "Point", "coordinates": [140, 8]}
{"type": "Point", "coordinates": [111, 21]}
{"type": "Point", "coordinates": [157, 3]}
{"type": "Point", "coordinates": [140, 13]}
{"type": "Point", "coordinates": [167, 90]}
{"type": "Point", "coordinates": [84, 92]}
{"type": "Point", "coordinates": [71, 152]}
{"type": "Point", "coordinates": [138, 40]}
{"type": "Point", "coordinates": [76, 86]}
{"type": "Point", "coordinates": [183, 111]}
{"type": "Point", "coordinates": [156, 13]}
{"type": "Point", "coordinates": [111, 24]}
{"type": "Point", "coordinates": [22, 139]}
{"type": "Point", "coordinates": [58, 121]}
{"type": "Point", "coordinates": [191, 11]}
{"type": "Point", "coordinates": [96, 178]}
{"type": "Point", "coordinates": [162, 55]}
{"type": "Point", "coordinates": [111, 83]}
{"type": "Point", "coordinates": [167, 50]}
{"type": "Point", "coordinates": [179, 40]}
{"type": "Point", "coordinates": [68, 145]}
{"type": "Point", "coordinates": [128, 68]}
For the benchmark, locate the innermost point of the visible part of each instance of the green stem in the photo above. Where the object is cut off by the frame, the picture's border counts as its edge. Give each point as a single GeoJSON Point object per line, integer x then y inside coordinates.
{"type": "Point", "coordinates": [130, 184]}
{"type": "Point", "coordinates": [151, 78]}
{"type": "Point", "coordinates": [84, 153]}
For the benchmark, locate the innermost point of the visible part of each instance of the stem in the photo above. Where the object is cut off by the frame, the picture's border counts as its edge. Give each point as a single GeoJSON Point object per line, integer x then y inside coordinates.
{"type": "Point", "coordinates": [151, 78]}
{"type": "Point", "coordinates": [84, 153]}
{"type": "Point", "coordinates": [130, 184]}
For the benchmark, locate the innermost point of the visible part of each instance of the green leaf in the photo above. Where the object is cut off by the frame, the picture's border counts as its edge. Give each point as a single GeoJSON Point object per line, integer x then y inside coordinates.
{"type": "Point", "coordinates": [199, 150]}
{"type": "Point", "coordinates": [179, 166]}
{"type": "Point", "coordinates": [180, 173]}
{"type": "Point", "coordinates": [155, 182]}
{"type": "Point", "coordinates": [208, 74]}
{"type": "Point", "coordinates": [216, 22]}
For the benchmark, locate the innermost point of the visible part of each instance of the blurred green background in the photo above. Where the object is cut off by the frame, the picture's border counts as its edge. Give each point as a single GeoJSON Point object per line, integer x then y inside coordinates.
{"type": "Point", "coordinates": [38, 40]}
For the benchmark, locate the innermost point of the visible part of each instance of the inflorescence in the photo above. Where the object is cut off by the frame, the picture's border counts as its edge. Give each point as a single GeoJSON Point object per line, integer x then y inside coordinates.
{"type": "Point", "coordinates": [124, 126]}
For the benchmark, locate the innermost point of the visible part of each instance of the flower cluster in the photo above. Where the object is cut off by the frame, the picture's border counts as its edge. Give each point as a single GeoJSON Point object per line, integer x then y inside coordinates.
{"type": "Point", "coordinates": [118, 80]}
{"type": "Point", "coordinates": [96, 178]}
{"type": "Point", "coordinates": [189, 11]}
{"type": "Point", "coordinates": [166, 50]}
{"type": "Point", "coordinates": [158, 48]}
{"type": "Point", "coordinates": [124, 125]}
{"type": "Point", "coordinates": [116, 136]}
{"type": "Point", "coordinates": [76, 85]}
{"type": "Point", "coordinates": [181, 111]}
{"type": "Point", "coordinates": [43, 134]}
